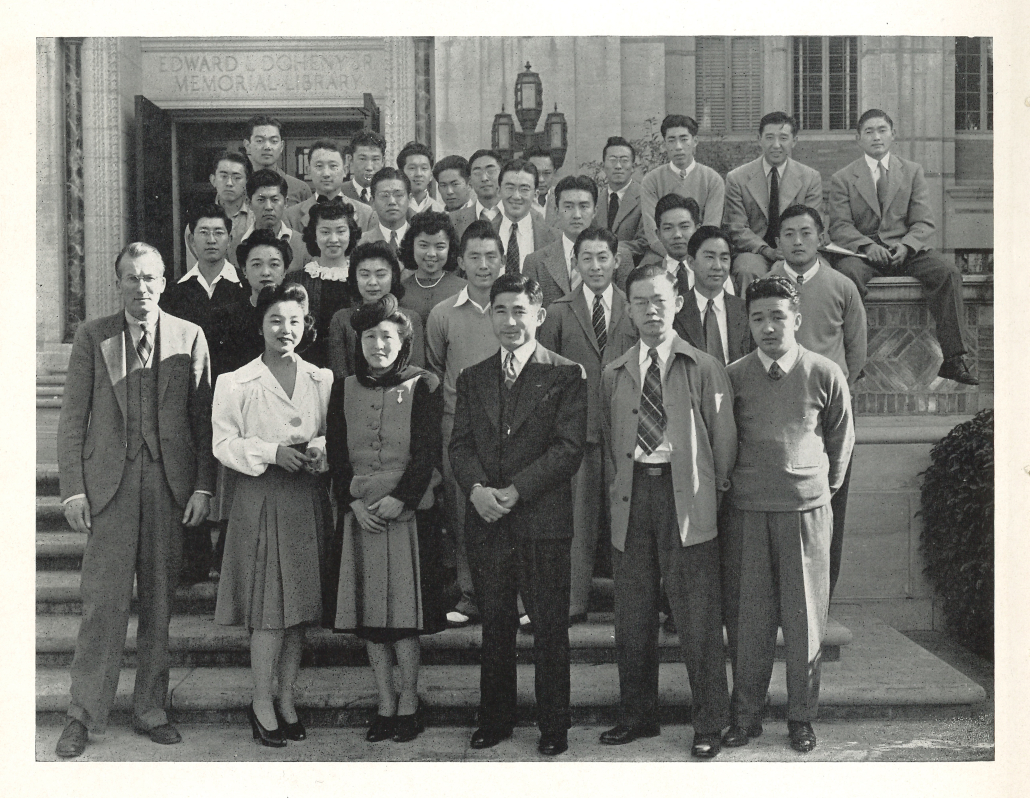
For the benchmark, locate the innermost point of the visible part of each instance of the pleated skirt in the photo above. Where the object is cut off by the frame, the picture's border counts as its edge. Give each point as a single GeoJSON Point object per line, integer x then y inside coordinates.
{"type": "Point", "coordinates": [274, 551]}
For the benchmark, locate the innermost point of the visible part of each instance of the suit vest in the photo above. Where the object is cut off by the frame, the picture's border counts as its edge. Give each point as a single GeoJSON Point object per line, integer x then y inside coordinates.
{"type": "Point", "coordinates": [141, 402]}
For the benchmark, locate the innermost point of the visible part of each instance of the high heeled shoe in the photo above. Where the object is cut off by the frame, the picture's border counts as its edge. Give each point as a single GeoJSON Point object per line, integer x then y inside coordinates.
{"type": "Point", "coordinates": [382, 728]}
{"type": "Point", "coordinates": [410, 726]}
{"type": "Point", "coordinates": [273, 738]}
{"type": "Point", "coordinates": [291, 731]}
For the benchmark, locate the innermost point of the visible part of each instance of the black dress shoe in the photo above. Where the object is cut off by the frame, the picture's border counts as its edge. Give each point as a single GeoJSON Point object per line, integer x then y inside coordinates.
{"type": "Point", "coordinates": [382, 728]}
{"type": "Point", "coordinates": [621, 735]}
{"type": "Point", "coordinates": [553, 743]}
{"type": "Point", "coordinates": [272, 738]}
{"type": "Point", "coordinates": [802, 736]}
{"type": "Point", "coordinates": [291, 731]}
{"type": "Point", "coordinates": [736, 736]}
{"type": "Point", "coordinates": [954, 368]}
{"type": "Point", "coordinates": [408, 727]}
{"type": "Point", "coordinates": [669, 625]}
{"type": "Point", "coordinates": [705, 746]}
{"type": "Point", "coordinates": [488, 738]}
{"type": "Point", "coordinates": [165, 734]}
{"type": "Point", "coordinates": [72, 741]}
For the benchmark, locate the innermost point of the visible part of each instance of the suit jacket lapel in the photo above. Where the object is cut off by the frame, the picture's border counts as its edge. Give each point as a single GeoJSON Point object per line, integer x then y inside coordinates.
{"type": "Point", "coordinates": [488, 386]}
{"type": "Point", "coordinates": [583, 315]}
{"type": "Point", "coordinates": [759, 186]}
{"type": "Point", "coordinates": [895, 177]}
{"type": "Point", "coordinates": [789, 186]}
{"type": "Point", "coordinates": [690, 317]}
{"type": "Point", "coordinates": [630, 200]}
{"type": "Point", "coordinates": [113, 350]}
{"type": "Point", "coordinates": [535, 382]}
{"type": "Point", "coordinates": [737, 331]}
{"type": "Point", "coordinates": [556, 265]}
{"type": "Point", "coordinates": [165, 349]}
{"type": "Point", "coordinates": [864, 182]}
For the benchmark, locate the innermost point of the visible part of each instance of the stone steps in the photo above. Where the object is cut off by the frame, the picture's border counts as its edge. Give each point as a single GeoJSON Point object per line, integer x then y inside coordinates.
{"type": "Point", "coordinates": [884, 675]}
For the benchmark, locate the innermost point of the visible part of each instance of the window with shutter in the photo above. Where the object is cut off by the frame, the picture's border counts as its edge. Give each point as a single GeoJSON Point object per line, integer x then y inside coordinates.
{"type": "Point", "coordinates": [728, 83]}
{"type": "Point", "coordinates": [974, 83]}
{"type": "Point", "coordinates": [825, 82]}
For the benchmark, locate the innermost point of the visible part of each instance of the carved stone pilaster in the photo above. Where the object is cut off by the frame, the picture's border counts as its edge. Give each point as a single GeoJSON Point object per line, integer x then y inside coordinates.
{"type": "Point", "coordinates": [399, 110]}
{"type": "Point", "coordinates": [75, 255]}
{"type": "Point", "coordinates": [105, 171]}
{"type": "Point", "coordinates": [50, 190]}
{"type": "Point", "coordinates": [424, 90]}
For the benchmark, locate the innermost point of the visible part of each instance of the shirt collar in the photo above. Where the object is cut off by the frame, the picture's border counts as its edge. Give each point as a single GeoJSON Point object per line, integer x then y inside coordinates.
{"type": "Point", "coordinates": [664, 349]}
{"type": "Point", "coordinates": [524, 224]}
{"type": "Point", "coordinates": [135, 324]}
{"type": "Point", "coordinates": [228, 272]}
{"type": "Point", "coordinates": [463, 297]}
{"type": "Point", "coordinates": [567, 245]}
{"type": "Point", "coordinates": [676, 171]}
{"type": "Point", "coordinates": [672, 266]}
{"type": "Point", "coordinates": [702, 301]}
{"type": "Point", "coordinates": [358, 188]}
{"type": "Point", "coordinates": [767, 168]}
{"type": "Point", "coordinates": [243, 211]}
{"type": "Point", "coordinates": [522, 354]}
{"type": "Point", "coordinates": [872, 163]}
{"type": "Point", "coordinates": [607, 295]}
{"type": "Point", "coordinates": [786, 363]}
{"type": "Point", "coordinates": [621, 193]}
{"type": "Point", "coordinates": [284, 231]}
{"type": "Point", "coordinates": [491, 212]}
{"type": "Point", "coordinates": [808, 275]}
{"type": "Point", "coordinates": [386, 231]}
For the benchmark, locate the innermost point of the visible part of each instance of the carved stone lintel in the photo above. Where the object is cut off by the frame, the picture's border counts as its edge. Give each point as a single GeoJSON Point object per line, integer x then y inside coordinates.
{"type": "Point", "coordinates": [75, 248]}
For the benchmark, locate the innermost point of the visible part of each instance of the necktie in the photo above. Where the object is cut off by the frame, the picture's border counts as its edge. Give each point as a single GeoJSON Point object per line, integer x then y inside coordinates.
{"type": "Point", "coordinates": [364, 195]}
{"type": "Point", "coordinates": [683, 174]}
{"type": "Point", "coordinates": [393, 240]}
{"type": "Point", "coordinates": [144, 347]}
{"type": "Point", "coordinates": [613, 210]}
{"type": "Point", "coordinates": [483, 216]}
{"type": "Point", "coordinates": [881, 186]}
{"type": "Point", "coordinates": [775, 371]}
{"type": "Point", "coordinates": [575, 278]}
{"type": "Point", "coordinates": [713, 340]}
{"type": "Point", "coordinates": [652, 413]}
{"type": "Point", "coordinates": [511, 256]}
{"type": "Point", "coordinates": [773, 229]}
{"type": "Point", "coordinates": [542, 199]}
{"type": "Point", "coordinates": [597, 317]}
{"type": "Point", "coordinates": [682, 280]}
{"type": "Point", "coordinates": [801, 279]}
{"type": "Point", "coordinates": [509, 370]}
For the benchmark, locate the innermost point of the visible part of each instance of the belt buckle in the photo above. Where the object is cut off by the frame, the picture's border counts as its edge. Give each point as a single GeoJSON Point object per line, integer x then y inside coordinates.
{"type": "Point", "coordinates": [654, 471]}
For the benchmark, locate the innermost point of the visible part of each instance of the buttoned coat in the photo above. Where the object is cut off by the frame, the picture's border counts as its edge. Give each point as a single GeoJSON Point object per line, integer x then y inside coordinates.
{"type": "Point", "coordinates": [746, 207]}
{"type": "Point", "coordinates": [698, 401]}
{"type": "Point", "coordinates": [92, 432]}
{"type": "Point", "coordinates": [689, 325]}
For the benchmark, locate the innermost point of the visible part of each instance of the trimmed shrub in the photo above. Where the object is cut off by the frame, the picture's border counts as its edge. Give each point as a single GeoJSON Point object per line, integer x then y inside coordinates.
{"type": "Point", "coordinates": [957, 541]}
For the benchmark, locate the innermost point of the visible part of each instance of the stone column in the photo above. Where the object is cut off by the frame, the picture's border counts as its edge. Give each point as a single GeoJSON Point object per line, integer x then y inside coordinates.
{"type": "Point", "coordinates": [424, 90]}
{"type": "Point", "coordinates": [399, 110]}
{"type": "Point", "coordinates": [75, 261]}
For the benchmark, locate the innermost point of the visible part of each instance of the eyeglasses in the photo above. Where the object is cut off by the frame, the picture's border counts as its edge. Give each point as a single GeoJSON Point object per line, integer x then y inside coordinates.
{"type": "Point", "coordinates": [523, 191]}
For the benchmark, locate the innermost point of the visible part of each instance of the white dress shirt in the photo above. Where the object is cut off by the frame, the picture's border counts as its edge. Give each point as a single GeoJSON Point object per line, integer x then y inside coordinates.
{"type": "Point", "coordinates": [676, 171]}
{"type": "Point", "coordinates": [524, 235]}
{"type": "Point", "coordinates": [252, 415]}
{"type": "Point", "coordinates": [874, 165]}
{"type": "Point", "coordinates": [227, 272]}
{"type": "Point", "coordinates": [768, 170]}
{"type": "Point", "coordinates": [427, 204]}
{"type": "Point", "coordinates": [672, 267]}
{"type": "Point", "coordinates": [491, 213]}
{"type": "Point", "coordinates": [719, 306]}
{"type": "Point", "coordinates": [606, 303]}
{"type": "Point", "coordinates": [807, 275]}
{"type": "Point", "coordinates": [575, 278]}
{"type": "Point", "coordinates": [663, 454]}
{"type": "Point", "coordinates": [786, 362]}
{"type": "Point", "coordinates": [387, 232]}
{"type": "Point", "coordinates": [358, 188]}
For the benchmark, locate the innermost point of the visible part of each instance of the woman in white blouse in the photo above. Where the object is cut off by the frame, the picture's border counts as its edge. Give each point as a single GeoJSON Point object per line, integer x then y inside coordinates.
{"type": "Point", "coordinates": [269, 420]}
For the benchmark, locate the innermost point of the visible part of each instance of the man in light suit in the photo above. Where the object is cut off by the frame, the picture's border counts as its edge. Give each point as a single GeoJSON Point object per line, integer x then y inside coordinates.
{"type": "Point", "coordinates": [523, 230]}
{"type": "Point", "coordinates": [712, 320]}
{"type": "Point", "coordinates": [519, 425]}
{"type": "Point", "coordinates": [879, 206]}
{"type": "Point", "coordinates": [670, 443]}
{"type": "Point", "coordinates": [554, 266]}
{"type": "Point", "coordinates": [134, 451]}
{"type": "Point", "coordinates": [485, 171]}
{"type": "Point", "coordinates": [618, 203]}
{"type": "Point", "coordinates": [328, 168]}
{"type": "Point", "coordinates": [749, 213]}
{"type": "Point", "coordinates": [590, 326]}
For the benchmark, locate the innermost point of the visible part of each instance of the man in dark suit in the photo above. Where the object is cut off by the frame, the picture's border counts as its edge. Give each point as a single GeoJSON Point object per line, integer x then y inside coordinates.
{"type": "Point", "coordinates": [879, 206]}
{"type": "Point", "coordinates": [485, 169]}
{"type": "Point", "coordinates": [134, 451]}
{"type": "Point", "coordinates": [590, 326]}
{"type": "Point", "coordinates": [750, 214]}
{"type": "Point", "coordinates": [618, 203]}
{"type": "Point", "coordinates": [519, 426]}
{"type": "Point", "coordinates": [368, 153]}
{"type": "Point", "coordinates": [327, 166]}
{"type": "Point", "coordinates": [391, 191]}
{"type": "Point", "coordinates": [712, 320]}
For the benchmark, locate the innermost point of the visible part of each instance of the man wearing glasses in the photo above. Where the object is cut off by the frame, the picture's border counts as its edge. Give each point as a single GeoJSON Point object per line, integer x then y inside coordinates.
{"type": "Point", "coordinates": [523, 229]}
{"type": "Point", "coordinates": [618, 203]}
{"type": "Point", "coordinates": [485, 170]}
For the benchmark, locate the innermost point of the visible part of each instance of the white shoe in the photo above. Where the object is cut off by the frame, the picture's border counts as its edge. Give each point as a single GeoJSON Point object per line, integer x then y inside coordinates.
{"type": "Point", "coordinates": [455, 618]}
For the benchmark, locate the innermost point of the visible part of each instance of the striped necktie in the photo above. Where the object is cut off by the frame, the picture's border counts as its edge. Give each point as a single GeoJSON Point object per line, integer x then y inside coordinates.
{"type": "Point", "coordinates": [597, 317]}
{"type": "Point", "coordinates": [144, 347]}
{"type": "Point", "coordinates": [651, 428]}
{"type": "Point", "coordinates": [511, 256]}
{"type": "Point", "coordinates": [509, 370]}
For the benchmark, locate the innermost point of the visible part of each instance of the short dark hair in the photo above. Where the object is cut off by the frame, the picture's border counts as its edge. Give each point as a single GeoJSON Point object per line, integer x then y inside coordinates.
{"type": "Point", "coordinates": [263, 238]}
{"type": "Point", "coordinates": [481, 230]}
{"type": "Point", "coordinates": [325, 144]}
{"type": "Point", "coordinates": [483, 154]}
{"type": "Point", "coordinates": [774, 287]}
{"type": "Point", "coordinates": [455, 162]}
{"type": "Point", "coordinates": [873, 113]}
{"type": "Point", "coordinates": [261, 120]}
{"type": "Point", "coordinates": [706, 233]}
{"type": "Point", "coordinates": [520, 165]}
{"type": "Point", "coordinates": [575, 183]}
{"type": "Point", "coordinates": [648, 271]}
{"type": "Point", "coordinates": [330, 211]}
{"type": "Point", "coordinates": [517, 284]}
{"type": "Point", "coordinates": [413, 148]}
{"type": "Point", "coordinates": [374, 250]}
{"type": "Point", "coordinates": [229, 155]}
{"type": "Point", "coordinates": [778, 118]}
{"type": "Point", "coordinates": [429, 223]}
{"type": "Point", "coordinates": [539, 152]}
{"type": "Point", "coordinates": [266, 178]}
{"type": "Point", "coordinates": [679, 120]}
{"type": "Point", "coordinates": [136, 249]}
{"type": "Point", "coordinates": [617, 141]}
{"type": "Point", "coordinates": [368, 138]}
{"type": "Point", "coordinates": [803, 210]}
{"type": "Point", "coordinates": [597, 234]}
{"type": "Point", "coordinates": [672, 201]}
{"type": "Point", "coordinates": [388, 173]}
{"type": "Point", "coordinates": [284, 292]}
{"type": "Point", "coordinates": [210, 211]}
